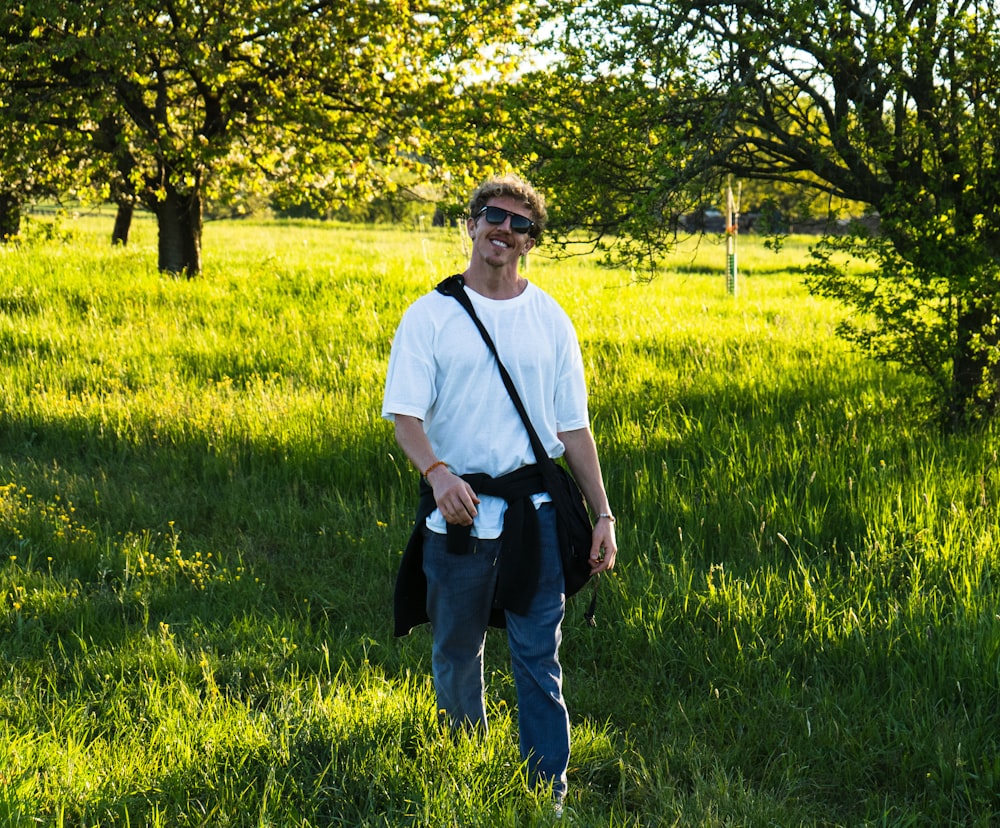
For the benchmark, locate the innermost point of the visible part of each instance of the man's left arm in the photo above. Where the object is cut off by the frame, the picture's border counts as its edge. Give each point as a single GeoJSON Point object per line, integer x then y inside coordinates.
{"type": "Point", "coordinates": [581, 457]}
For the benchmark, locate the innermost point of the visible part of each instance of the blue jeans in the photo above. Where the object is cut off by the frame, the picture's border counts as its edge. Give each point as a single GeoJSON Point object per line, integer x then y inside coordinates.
{"type": "Point", "coordinates": [460, 592]}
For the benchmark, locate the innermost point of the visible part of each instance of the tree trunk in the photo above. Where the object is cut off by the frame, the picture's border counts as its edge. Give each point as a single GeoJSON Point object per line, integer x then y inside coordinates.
{"type": "Point", "coordinates": [975, 376]}
{"type": "Point", "coordinates": [10, 215]}
{"type": "Point", "coordinates": [179, 225]}
{"type": "Point", "coordinates": [109, 139]}
{"type": "Point", "coordinates": [123, 222]}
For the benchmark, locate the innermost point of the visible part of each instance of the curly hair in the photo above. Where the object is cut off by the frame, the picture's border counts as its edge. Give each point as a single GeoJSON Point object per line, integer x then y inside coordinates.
{"type": "Point", "coordinates": [514, 187]}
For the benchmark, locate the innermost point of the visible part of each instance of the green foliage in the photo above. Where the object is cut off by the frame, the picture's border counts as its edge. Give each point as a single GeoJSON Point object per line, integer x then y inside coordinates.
{"type": "Point", "coordinates": [931, 311]}
{"type": "Point", "coordinates": [201, 513]}
{"type": "Point", "coordinates": [890, 105]}
{"type": "Point", "coordinates": [306, 103]}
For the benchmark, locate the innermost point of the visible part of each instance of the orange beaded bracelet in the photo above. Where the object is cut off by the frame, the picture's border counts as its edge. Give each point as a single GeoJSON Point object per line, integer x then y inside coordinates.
{"type": "Point", "coordinates": [433, 466]}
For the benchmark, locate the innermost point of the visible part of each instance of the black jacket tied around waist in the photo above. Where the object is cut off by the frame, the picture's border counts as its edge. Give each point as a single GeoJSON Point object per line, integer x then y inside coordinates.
{"type": "Point", "coordinates": [520, 547]}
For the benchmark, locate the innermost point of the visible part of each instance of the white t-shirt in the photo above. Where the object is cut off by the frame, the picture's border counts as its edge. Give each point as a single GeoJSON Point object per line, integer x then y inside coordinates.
{"type": "Point", "coordinates": [442, 372]}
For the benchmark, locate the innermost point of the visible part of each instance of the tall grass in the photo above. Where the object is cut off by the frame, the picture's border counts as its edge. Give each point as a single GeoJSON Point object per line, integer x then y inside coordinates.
{"type": "Point", "coordinates": [201, 514]}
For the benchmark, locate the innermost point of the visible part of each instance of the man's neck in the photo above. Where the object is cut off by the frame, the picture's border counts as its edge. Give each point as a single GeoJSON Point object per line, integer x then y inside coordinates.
{"type": "Point", "coordinates": [495, 283]}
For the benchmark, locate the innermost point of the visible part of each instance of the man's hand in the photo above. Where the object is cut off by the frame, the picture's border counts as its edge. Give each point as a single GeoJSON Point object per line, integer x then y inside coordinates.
{"type": "Point", "coordinates": [604, 547]}
{"type": "Point", "coordinates": [454, 497]}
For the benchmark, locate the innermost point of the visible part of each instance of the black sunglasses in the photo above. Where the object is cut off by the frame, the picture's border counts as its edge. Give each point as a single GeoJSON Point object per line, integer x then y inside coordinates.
{"type": "Point", "coordinates": [497, 215]}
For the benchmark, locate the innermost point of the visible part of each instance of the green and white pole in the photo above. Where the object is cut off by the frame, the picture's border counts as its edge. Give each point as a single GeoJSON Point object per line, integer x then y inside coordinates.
{"type": "Point", "coordinates": [732, 229]}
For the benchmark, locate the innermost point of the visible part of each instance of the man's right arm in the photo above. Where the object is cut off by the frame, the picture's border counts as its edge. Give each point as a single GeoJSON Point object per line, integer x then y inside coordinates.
{"type": "Point", "coordinates": [454, 497]}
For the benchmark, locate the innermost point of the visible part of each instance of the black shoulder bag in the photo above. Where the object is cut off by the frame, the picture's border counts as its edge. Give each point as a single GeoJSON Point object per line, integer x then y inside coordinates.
{"type": "Point", "coordinates": [572, 517]}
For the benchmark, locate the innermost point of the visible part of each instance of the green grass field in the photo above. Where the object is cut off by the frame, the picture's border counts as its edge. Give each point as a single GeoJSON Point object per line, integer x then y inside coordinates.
{"type": "Point", "coordinates": [201, 514]}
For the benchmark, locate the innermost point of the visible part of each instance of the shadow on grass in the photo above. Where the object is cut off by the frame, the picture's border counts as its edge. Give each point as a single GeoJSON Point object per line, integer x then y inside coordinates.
{"type": "Point", "coordinates": [788, 610]}
{"type": "Point", "coordinates": [298, 541]}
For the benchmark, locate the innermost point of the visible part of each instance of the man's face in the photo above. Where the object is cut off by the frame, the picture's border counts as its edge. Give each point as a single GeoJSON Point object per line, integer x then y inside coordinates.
{"type": "Point", "coordinates": [499, 244]}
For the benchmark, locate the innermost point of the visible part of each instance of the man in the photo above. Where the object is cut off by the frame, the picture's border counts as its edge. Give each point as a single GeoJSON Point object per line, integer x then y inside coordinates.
{"type": "Point", "coordinates": [456, 423]}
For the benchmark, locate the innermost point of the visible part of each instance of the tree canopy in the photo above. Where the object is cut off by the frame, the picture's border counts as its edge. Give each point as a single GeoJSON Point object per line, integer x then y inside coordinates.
{"type": "Point", "coordinates": [309, 99]}
{"type": "Point", "coordinates": [891, 103]}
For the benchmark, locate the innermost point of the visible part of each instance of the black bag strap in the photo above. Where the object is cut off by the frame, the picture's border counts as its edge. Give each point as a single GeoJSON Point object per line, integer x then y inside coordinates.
{"type": "Point", "coordinates": [454, 286]}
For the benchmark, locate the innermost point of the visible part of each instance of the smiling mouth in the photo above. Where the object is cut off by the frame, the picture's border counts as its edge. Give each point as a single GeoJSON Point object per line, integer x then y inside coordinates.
{"type": "Point", "coordinates": [499, 243]}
